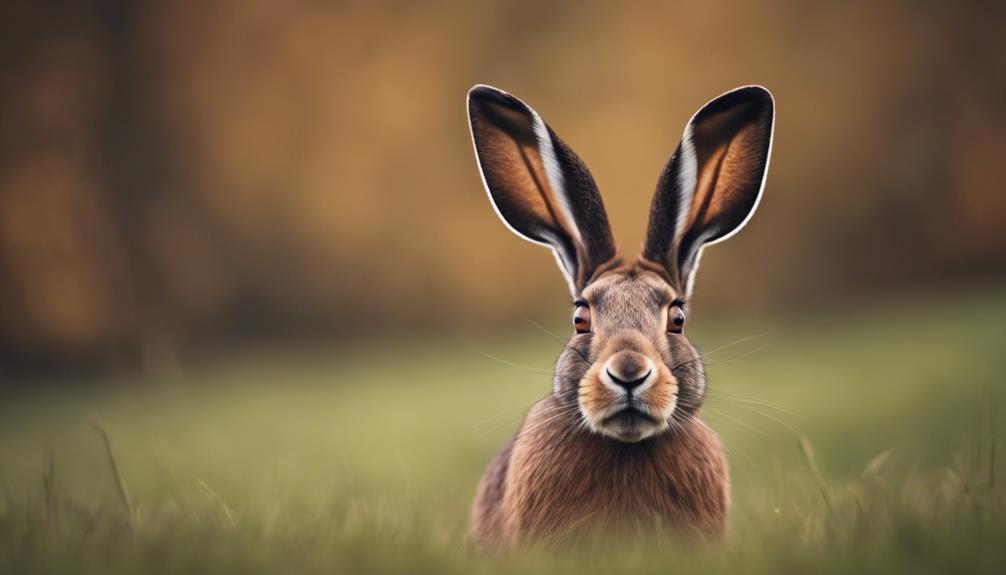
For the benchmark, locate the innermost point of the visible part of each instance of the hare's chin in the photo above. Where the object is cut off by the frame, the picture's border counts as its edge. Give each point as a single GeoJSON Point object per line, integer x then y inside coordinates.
{"type": "Point", "coordinates": [629, 425]}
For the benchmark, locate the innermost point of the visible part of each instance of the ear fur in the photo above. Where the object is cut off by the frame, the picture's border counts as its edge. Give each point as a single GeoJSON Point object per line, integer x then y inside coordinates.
{"type": "Point", "coordinates": [540, 189]}
{"type": "Point", "coordinates": [713, 182]}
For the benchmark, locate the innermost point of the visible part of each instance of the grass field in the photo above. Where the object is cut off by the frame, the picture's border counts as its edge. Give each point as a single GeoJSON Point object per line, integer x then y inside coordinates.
{"type": "Point", "coordinates": [863, 440]}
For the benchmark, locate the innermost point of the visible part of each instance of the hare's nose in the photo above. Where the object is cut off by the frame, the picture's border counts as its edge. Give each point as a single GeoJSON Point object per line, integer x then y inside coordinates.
{"type": "Point", "coordinates": [629, 369]}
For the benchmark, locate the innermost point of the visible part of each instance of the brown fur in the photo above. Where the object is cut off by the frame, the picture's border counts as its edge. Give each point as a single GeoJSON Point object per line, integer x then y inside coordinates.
{"type": "Point", "coordinates": [487, 520]}
{"type": "Point", "coordinates": [554, 477]}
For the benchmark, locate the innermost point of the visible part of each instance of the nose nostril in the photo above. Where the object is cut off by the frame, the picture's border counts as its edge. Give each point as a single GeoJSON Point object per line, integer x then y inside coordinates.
{"type": "Point", "coordinates": [629, 384]}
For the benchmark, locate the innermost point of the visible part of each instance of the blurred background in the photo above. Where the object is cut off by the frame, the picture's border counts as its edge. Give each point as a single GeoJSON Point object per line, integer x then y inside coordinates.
{"type": "Point", "coordinates": [177, 177]}
{"type": "Point", "coordinates": [250, 243]}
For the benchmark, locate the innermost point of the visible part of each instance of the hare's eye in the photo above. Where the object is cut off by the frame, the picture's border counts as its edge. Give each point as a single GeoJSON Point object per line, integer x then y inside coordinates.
{"type": "Point", "coordinates": [581, 318]}
{"type": "Point", "coordinates": [675, 320]}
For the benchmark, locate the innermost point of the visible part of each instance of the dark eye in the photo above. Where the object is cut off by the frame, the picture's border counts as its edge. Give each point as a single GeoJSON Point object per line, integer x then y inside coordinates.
{"type": "Point", "coordinates": [675, 320]}
{"type": "Point", "coordinates": [581, 318]}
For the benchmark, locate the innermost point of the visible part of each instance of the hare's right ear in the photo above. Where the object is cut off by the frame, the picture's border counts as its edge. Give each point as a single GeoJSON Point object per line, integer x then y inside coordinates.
{"type": "Point", "coordinates": [712, 183]}
{"type": "Point", "coordinates": [539, 187]}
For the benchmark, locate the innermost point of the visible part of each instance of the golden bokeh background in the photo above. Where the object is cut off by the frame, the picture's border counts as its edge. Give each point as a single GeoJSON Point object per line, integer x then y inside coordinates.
{"type": "Point", "coordinates": [184, 175]}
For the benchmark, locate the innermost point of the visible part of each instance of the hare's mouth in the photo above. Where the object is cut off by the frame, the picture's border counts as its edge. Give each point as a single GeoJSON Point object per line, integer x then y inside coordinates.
{"type": "Point", "coordinates": [630, 416]}
{"type": "Point", "coordinates": [630, 425]}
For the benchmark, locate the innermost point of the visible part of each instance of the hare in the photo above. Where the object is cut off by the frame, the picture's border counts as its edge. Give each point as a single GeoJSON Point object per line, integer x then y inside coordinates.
{"type": "Point", "coordinates": [619, 444]}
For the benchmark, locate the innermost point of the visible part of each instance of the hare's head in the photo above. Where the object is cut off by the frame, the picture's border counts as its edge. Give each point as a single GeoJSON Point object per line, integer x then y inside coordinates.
{"type": "Point", "coordinates": [629, 368]}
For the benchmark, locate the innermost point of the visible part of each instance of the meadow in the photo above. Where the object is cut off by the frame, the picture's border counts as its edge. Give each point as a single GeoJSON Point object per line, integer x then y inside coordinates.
{"type": "Point", "coordinates": [861, 439]}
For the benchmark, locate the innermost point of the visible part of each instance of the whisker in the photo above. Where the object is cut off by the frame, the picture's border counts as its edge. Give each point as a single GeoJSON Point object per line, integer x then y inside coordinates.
{"type": "Point", "coordinates": [538, 426]}
{"type": "Point", "coordinates": [536, 370]}
{"type": "Point", "coordinates": [552, 417]}
{"type": "Point", "coordinates": [739, 357]}
{"type": "Point", "coordinates": [737, 342]}
{"type": "Point", "coordinates": [572, 431]}
{"type": "Point", "coordinates": [486, 428]}
{"type": "Point", "coordinates": [560, 339]}
{"type": "Point", "coordinates": [721, 348]}
{"type": "Point", "coordinates": [500, 419]}
{"type": "Point", "coordinates": [676, 425]}
{"type": "Point", "coordinates": [554, 410]}
{"type": "Point", "coordinates": [723, 362]}
{"type": "Point", "coordinates": [738, 398]}
{"type": "Point", "coordinates": [496, 419]}
{"type": "Point", "coordinates": [547, 332]}
{"type": "Point", "coordinates": [729, 446]}
{"type": "Point", "coordinates": [772, 417]}
{"type": "Point", "coordinates": [580, 355]}
{"type": "Point", "coordinates": [737, 421]}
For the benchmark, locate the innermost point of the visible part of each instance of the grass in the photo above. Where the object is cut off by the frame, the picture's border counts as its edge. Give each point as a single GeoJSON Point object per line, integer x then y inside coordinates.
{"type": "Point", "coordinates": [858, 442]}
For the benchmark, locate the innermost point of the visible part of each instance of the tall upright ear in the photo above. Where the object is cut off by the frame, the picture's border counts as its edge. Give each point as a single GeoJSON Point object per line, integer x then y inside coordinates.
{"type": "Point", "coordinates": [538, 186]}
{"type": "Point", "coordinates": [713, 181]}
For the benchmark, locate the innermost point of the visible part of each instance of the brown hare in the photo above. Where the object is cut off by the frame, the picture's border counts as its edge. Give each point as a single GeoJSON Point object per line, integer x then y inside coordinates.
{"type": "Point", "coordinates": [619, 444]}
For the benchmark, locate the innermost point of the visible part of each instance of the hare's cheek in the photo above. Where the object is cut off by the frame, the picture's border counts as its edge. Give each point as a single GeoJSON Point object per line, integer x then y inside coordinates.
{"type": "Point", "coordinates": [595, 399]}
{"type": "Point", "coordinates": [663, 396]}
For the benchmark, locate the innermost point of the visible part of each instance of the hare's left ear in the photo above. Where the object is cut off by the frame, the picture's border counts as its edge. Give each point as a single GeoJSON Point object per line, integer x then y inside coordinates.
{"type": "Point", "coordinates": [713, 181]}
{"type": "Point", "coordinates": [539, 187]}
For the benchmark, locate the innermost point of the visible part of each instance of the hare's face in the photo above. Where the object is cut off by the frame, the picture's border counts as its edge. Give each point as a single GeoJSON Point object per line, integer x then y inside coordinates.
{"type": "Point", "coordinates": [629, 367]}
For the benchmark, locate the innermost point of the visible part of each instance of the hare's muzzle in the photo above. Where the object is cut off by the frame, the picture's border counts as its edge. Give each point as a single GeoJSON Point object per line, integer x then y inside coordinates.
{"type": "Point", "coordinates": [628, 395]}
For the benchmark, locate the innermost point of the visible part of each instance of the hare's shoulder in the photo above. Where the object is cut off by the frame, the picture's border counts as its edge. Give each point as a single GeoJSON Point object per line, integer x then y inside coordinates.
{"type": "Point", "coordinates": [487, 514]}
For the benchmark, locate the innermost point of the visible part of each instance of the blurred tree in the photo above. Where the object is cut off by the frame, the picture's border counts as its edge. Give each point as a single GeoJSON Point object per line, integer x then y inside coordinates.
{"type": "Point", "coordinates": [179, 174]}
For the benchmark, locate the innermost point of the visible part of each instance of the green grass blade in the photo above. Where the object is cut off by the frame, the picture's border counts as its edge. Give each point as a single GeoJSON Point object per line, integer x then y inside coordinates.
{"type": "Point", "coordinates": [120, 483]}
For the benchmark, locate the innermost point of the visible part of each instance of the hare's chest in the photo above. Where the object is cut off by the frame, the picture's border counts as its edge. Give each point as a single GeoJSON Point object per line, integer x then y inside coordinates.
{"type": "Point", "coordinates": [554, 491]}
